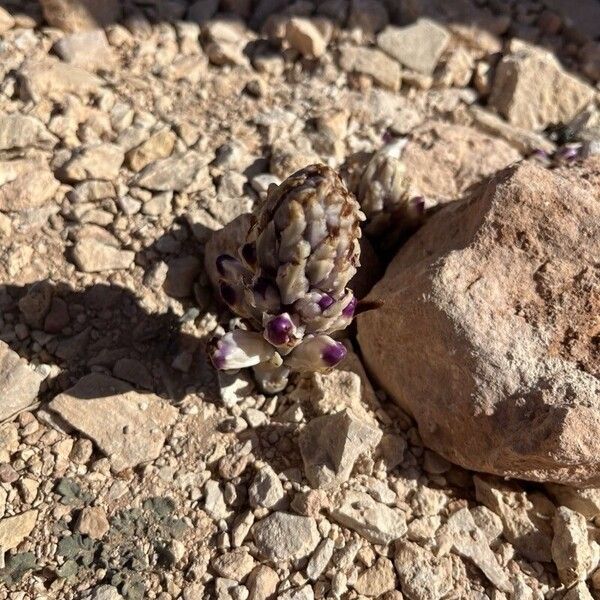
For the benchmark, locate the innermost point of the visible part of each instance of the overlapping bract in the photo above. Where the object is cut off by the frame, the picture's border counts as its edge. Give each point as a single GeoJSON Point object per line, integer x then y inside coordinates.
{"type": "Point", "coordinates": [289, 280]}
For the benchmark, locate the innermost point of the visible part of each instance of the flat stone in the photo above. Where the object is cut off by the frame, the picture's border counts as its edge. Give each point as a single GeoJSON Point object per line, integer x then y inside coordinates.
{"type": "Point", "coordinates": [523, 140]}
{"type": "Point", "coordinates": [372, 62]}
{"type": "Point", "coordinates": [133, 371]}
{"type": "Point", "coordinates": [97, 161]}
{"type": "Point", "coordinates": [331, 444]}
{"type": "Point", "coordinates": [58, 316]}
{"type": "Point", "coordinates": [463, 299]}
{"type": "Point", "coordinates": [266, 489]}
{"type": "Point", "coordinates": [214, 501]}
{"type": "Point", "coordinates": [423, 529]}
{"type": "Point", "coordinates": [6, 20]}
{"type": "Point", "coordinates": [376, 522]}
{"type": "Point", "coordinates": [93, 190]}
{"type": "Point", "coordinates": [526, 517]}
{"type": "Point", "coordinates": [86, 49]}
{"type": "Point", "coordinates": [52, 78]}
{"type": "Point", "coordinates": [320, 559]}
{"type": "Point", "coordinates": [158, 145]}
{"type": "Point", "coordinates": [262, 583]}
{"type": "Point", "coordinates": [282, 536]}
{"type": "Point", "coordinates": [25, 184]}
{"type": "Point", "coordinates": [19, 383]}
{"type": "Point", "coordinates": [304, 36]}
{"type": "Point", "coordinates": [93, 522]}
{"type": "Point", "coordinates": [303, 593]}
{"type": "Point", "coordinates": [226, 206]}
{"type": "Point", "coordinates": [582, 500]}
{"type": "Point", "coordinates": [461, 534]}
{"type": "Point", "coordinates": [181, 276]}
{"type": "Point", "coordinates": [174, 173]}
{"type": "Point", "coordinates": [13, 530]}
{"type": "Point", "coordinates": [531, 89]}
{"type": "Point", "coordinates": [135, 432]}
{"type": "Point", "coordinates": [235, 565]}
{"type": "Point", "coordinates": [23, 131]}
{"type": "Point", "coordinates": [106, 592]}
{"type": "Point", "coordinates": [418, 46]}
{"type": "Point", "coordinates": [444, 160]}
{"type": "Point", "coordinates": [376, 580]}
{"type": "Point", "coordinates": [570, 546]}
{"type": "Point", "coordinates": [339, 390]}
{"type": "Point", "coordinates": [488, 521]}
{"type": "Point", "coordinates": [81, 15]}
{"type": "Point", "coordinates": [93, 256]}
{"type": "Point", "coordinates": [422, 575]}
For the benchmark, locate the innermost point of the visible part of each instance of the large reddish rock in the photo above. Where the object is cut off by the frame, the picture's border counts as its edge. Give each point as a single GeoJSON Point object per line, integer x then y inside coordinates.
{"type": "Point", "coordinates": [489, 329]}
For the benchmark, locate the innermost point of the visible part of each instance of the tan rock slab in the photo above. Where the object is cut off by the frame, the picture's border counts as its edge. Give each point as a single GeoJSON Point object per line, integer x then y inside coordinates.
{"type": "Point", "coordinates": [25, 184]}
{"type": "Point", "coordinates": [93, 256]}
{"type": "Point", "coordinates": [418, 46]}
{"type": "Point", "coordinates": [52, 78]}
{"type": "Point", "coordinates": [13, 530]}
{"type": "Point", "coordinates": [571, 550]}
{"type": "Point", "coordinates": [86, 49]}
{"type": "Point", "coordinates": [19, 383]}
{"type": "Point", "coordinates": [444, 160]}
{"type": "Point", "coordinates": [526, 518]}
{"type": "Point", "coordinates": [158, 145]}
{"type": "Point", "coordinates": [376, 522]}
{"type": "Point", "coordinates": [128, 427]}
{"type": "Point", "coordinates": [81, 15]}
{"type": "Point", "coordinates": [93, 522]}
{"type": "Point", "coordinates": [376, 580]}
{"type": "Point", "coordinates": [532, 90]}
{"type": "Point", "coordinates": [372, 62]}
{"type": "Point", "coordinates": [96, 161]}
{"type": "Point", "coordinates": [23, 131]}
{"type": "Point", "coordinates": [304, 36]}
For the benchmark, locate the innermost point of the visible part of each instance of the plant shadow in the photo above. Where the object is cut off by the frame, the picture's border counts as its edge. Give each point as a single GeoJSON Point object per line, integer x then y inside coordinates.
{"type": "Point", "coordinates": [108, 330]}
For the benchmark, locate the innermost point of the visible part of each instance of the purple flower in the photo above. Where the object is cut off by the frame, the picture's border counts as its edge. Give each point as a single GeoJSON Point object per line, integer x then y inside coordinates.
{"type": "Point", "coordinates": [238, 349]}
{"type": "Point", "coordinates": [315, 353]}
{"type": "Point", "coordinates": [334, 354]}
{"type": "Point", "coordinates": [325, 302]}
{"type": "Point", "coordinates": [280, 330]}
{"type": "Point", "coordinates": [350, 308]}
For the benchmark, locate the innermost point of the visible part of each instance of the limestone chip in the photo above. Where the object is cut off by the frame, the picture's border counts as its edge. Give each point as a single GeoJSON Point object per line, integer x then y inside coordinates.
{"type": "Point", "coordinates": [132, 429]}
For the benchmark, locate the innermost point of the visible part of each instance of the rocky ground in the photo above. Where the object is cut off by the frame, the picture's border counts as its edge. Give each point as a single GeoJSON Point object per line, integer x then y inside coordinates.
{"type": "Point", "coordinates": [128, 468]}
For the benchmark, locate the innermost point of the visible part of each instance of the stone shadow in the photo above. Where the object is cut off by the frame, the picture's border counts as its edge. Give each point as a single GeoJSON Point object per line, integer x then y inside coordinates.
{"type": "Point", "coordinates": [104, 328]}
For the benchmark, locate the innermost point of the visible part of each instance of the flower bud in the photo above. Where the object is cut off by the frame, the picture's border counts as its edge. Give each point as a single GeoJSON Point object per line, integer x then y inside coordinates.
{"type": "Point", "coordinates": [240, 348]}
{"type": "Point", "coordinates": [316, 353]}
